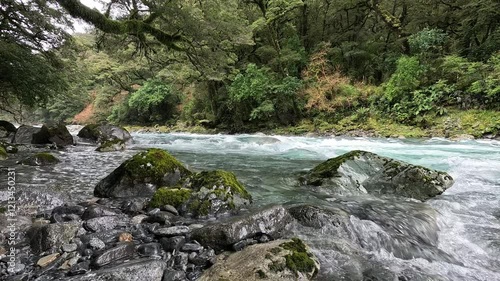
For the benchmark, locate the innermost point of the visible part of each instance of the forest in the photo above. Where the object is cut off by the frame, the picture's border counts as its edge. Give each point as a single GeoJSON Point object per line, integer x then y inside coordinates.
{"type": "Point", "coordinates": [390, 67]}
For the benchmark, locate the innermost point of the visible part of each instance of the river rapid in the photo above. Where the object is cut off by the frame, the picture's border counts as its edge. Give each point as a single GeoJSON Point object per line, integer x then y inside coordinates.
{"type": "Point", "coordinates": [454, 236]}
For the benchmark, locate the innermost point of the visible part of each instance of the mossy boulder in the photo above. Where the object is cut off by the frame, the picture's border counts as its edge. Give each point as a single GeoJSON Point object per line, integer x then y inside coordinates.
{"type": "Point", "coordinates": [208, 193]}
{"type": "Point", "coordinates": [111, 145]}
{"type": "Point", "coordinates": [361, 172]}
{"type": "Point", "coordinates": [3, 153]}
{"type": "Point", "coordinates": [100, 133]}
{"type": "Point", "coordinates": [142, 175]}
{"type": "Point", "coordinates": [276, 260]}
{"type": "Point", "coordinates": [40, 159]}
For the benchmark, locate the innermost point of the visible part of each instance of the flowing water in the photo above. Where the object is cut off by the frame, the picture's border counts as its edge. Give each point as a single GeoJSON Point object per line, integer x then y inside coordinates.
{"type": "Point", "coordinates": [455, 236]}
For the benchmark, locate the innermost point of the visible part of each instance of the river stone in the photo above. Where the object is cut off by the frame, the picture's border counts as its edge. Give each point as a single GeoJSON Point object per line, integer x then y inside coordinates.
{"type": "Point", "coordinates": [121, 251]}
{"type": "Point", "coordinates": [172, 243]}
{"type": "Point", "coordinates": [172, 231]}
{"type": "Point", "coordinates": [96, 211]}
{"type": "Point", "coordinates": [361, 172]}
{"type": "Point", "coordinates": [31, 135]}
{"type": "Point", "coordinates": [40, 159]}
{"type": "Point", "coordinates": [149, 249]}
{"type": "Point", "coordinates": [276, 260]}
{"type": "Point", "coordinates": [272, 221]}
{"type": "Point", "coordinates": [135, 270]}
{"type": "Point", "coordinates": [101, 133]}
{"type": "Point", "coordinates": [52, 236]}
{"type": "Point", "coordinates": [111, 145]}
{"type": "Point", "coordinates": [102, 223]}
{"type": "Point", "coordinates": [141, 175]}
{"type": "Point", "coordinates": [46, 260]}
{"type": "Point", "coordinates": [96, 244]}
{"type": "Point", "coordinates": [59, 134]}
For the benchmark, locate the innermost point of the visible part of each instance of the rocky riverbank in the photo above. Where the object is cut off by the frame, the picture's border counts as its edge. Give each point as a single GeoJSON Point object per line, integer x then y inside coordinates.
{"type": "Point", "coordinates": [154, 219]}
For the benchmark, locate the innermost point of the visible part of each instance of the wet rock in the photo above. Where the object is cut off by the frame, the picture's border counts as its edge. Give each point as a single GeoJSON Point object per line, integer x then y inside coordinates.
{"type": "Point", "coordinates": [171, 209]}
{"type": "Point", "coordinates": [141, 175]}
{"type": "Point", "coordinates": [71, 247]}
{"type": "Point", "coordinates": [161, 217]}
{"type": "Point", "coordinates": [173, 243]}
{"type": "Point", "coordinates": [79, 268]}
{"type": "Point", "coordinates": [180, 260]}
{"type": "Point", "coordinates": [204, 259]}
{"type": "Point", "coordinates": [172, 231]}
{"type": "Point", "coordinates": [107, 237]}
{"type": "Point", "coordinates": [59, 135]}
{"type": "Point", "coordinates": [52, 236]}
{"type": "Point", "coordinates": [7, 126]}
{"type": "Point", "coordinates": [276, 260]}
{"type": "Point", "coordinates": [361, 172]}
{"type": "Point", "coordinates": [102, 223]}
{"type": "Point", "coordinates": [111, 145]}
{"type": "Point", "coordinates": [211, 193]}
{"type": "Point", "coordinates": [66, 213]}
{"type": "Point", "coordinates": [31, 135]}
{"type": "Point", "coordinates": [101, 133]}
{"type": "Point", "coordinates": [136, 270]}
{"type": "Point", "coordinates": [125, 237]}
{"type": "Point", "coordinates": [192, 247]}
{"type": "Point", "coordinates": [121, 251]}
{"type": "Point", "coordinates": [96, 211]}
{"type": "Point", "coordinates": [272, 221]}
{"type": "Point", "coordinates": [149, 249]}
{"type": "Point", "coordinates": [46, 260]}
{"type": "Point", "coordinates": [96, 244]}
{"type": "Point", "coordinates": [40, 159]}
{"type": "Point", "coordinates": [138, 219]}
{"type": "Point", "coordinates": [243, 244]}
{"type": "Point", "coordinates": [133, 206]}
{"type": "Point", "coordinates": [174, 275]}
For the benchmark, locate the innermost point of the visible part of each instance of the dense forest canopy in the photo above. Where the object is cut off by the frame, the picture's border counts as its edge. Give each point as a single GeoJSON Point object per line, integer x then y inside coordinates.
{"type": "Point", "coordinates": [251, 64]}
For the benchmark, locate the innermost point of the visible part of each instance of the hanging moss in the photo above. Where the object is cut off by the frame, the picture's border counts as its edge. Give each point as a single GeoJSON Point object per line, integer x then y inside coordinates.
{"type": "Point", "coordinates": [170, 196]}
{"type": "Point", "coordinates": [154, 164]}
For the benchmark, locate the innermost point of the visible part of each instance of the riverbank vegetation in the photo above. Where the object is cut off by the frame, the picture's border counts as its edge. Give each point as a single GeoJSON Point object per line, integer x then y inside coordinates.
{"type": "Point", "coordinates": [382, 67]}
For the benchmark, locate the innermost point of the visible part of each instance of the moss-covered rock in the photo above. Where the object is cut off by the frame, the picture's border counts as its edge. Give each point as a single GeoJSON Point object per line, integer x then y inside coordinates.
{"type": "Point", "coordinates": [101, 133]}
{"type": "Point", "coordinates": [276, 260]}
{"type": "Point", "coordinates": [111, 145]}
{"type": "Point", "coordinates": [170, 196]}
{"type": "Point", "coordinates": [215, 193]}
{"type": "Point", "coordinates": [359, 172]}
{"type": "Point", "coordinates": [3, 153]}
{"type": "Point", "coordinates": [40, 159]}
{"type": "Point", "coordinates": [142, 175]}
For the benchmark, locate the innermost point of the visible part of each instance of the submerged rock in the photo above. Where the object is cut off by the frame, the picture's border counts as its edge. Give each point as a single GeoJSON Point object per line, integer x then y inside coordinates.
{"type": "Point", "coordinates": [276, 260]}
{"type": "Point", "coordinates": [361, 172]}
{"type": "Point", "coordinates": [111, 145]}
{"type": "Point", "coordinates": [209, 193]}
{"type": "Point", "coordinates": [101, 133]}
{"type": "Point", "coordinates": [273, 221]}
{"type": "Point", "coordinates": [142, 175]}
{"type": "Point", "coordinates": [40, 159]}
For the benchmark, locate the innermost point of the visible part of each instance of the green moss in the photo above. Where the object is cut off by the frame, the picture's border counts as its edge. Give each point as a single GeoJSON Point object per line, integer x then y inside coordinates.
{"type": "Point", "coordinates": [3, 153]}
{"type": "Point", "coordinates": [275, 250]}
{"type": "Point", "coordinates": [261, 274]}
{"type": "Point", "coordinates": [109, 145]}
{"type": "Point", "coordinates": [277, 266]}
{"type": "Point", "coordinates": [209, 179]}
{"type": "Point", "coordinates": [46, 158]}
{"type": "Point", "coordinates": [170, 196]}
{"type": "Point", "coordinates": [154, 164]}
{"type": "Point", "coordinates": [3, 210]}
{"type": "Point", "coordinates": [298, 260]}
{"type": "Point", "coordinates": [329, 168]}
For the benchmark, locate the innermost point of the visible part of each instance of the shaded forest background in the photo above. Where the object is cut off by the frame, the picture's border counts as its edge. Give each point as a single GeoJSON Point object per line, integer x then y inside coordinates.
{"type": "Point", "coordinates": [392, 66]}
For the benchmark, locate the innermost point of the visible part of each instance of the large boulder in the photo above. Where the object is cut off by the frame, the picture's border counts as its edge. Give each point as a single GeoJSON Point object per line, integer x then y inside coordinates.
{"type": "Point", "coordinates": [100, 133]}
{"type": "Point", "coordinates": [209, 193]}
{"type": "Point", "coordinates": [32, 135]}
{"type": "Point", "coordinates": [361, 172]}
{"type": "Point", "coordinates": [59, 135]}
{"type": "Point", "coordinates": [142, 175]}
{"type": "Point", "coordinates": [273, 221]}
{"type": "Point", "coordinates": [276, 260]}
{"type": "Point", "coordinates": [7, 130]}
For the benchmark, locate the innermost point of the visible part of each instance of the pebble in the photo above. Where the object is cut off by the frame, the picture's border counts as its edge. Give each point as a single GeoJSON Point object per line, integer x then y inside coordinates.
{"type": "Point", "coordinates": [96, 244]}
{"type": "Point", "coordinates": [172, 231]}
{"type": "Point", "coordinates": [68, 248]}
{"type": "Point", "coordinates": [43, 262]}
{"type": "Point", "coordinates": [192, 247]}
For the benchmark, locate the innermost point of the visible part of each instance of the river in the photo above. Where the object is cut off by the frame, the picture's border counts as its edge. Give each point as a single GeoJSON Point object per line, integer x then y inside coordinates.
{"type": "Point", "coordinates": [467, 215]}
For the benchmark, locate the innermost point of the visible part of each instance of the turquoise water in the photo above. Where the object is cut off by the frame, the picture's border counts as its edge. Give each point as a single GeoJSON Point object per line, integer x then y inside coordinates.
{"type": "Point", "coordinates": [467, 243]}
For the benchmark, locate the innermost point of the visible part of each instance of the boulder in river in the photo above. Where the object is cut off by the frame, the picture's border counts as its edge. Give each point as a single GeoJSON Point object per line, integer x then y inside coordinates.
{"type": "Point", "coordinates": [273, 222]}
{"type": "Point", "coordinates": [361, 172]}
{"type": "Point", "coordinates": [142, 175]}
{"type": "Point", "coordinates": [32, 135]}
{"type": "Point", "coordinates": [111, 145]}
{"type": "Point", "coordinates": [40, 159]}
{"type": "Point", "coordinates": [208, 193]}
{"type": "Point", "coordinates": [277, 260]}
{"type": "Point", "coordinates": [59, 135]}
{"type": "Point", "coordinates": [101, 133]}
